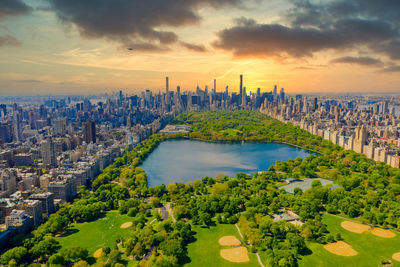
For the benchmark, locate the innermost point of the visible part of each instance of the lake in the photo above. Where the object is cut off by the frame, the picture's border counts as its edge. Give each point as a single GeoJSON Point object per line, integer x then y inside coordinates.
{"type": "Point", "coordinates": [187, 160]}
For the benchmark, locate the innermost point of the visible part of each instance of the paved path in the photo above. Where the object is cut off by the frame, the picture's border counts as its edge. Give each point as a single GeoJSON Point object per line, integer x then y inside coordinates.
{"type": "Point", "coordinates": [258, 256]}
{"type": "Point", "coordinates": [240, 233]}
{"type": "Point", "coordinates": [164, 213]}
{"type": "Point", "coordinates": [168, 207]}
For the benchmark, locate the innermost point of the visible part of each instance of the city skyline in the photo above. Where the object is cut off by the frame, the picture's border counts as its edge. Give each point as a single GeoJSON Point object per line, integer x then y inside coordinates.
{"type": "Point", "coordinates": [51, 46]}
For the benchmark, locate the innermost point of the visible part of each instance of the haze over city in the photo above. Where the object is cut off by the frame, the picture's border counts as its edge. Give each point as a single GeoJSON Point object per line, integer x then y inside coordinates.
{"type": "Point", "coordinates": [84, 47]}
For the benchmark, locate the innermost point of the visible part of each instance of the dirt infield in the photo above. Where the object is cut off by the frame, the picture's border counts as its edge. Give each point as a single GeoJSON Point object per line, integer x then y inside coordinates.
{"type": "Point", "coordinates": [341, 248]}
{"type": "Point", "coordinates": [357, 228]}
{"type": "Point", "coordinates": [383, 233]}
{"type": "Point", "coordinates": [396, 256]}
{"type": "Point", "coordinates": [126, 225]}
{"type": "Point", "coordinates": [97, 253]}
{"type": "Point", "coordinates": [230, 241]}
{"type": "Point", "coordinates": [238, 254]}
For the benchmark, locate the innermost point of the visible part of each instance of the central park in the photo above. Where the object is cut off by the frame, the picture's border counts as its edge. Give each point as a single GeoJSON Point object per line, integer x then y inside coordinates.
{"type": "Point", "coordinates": [218, 195]}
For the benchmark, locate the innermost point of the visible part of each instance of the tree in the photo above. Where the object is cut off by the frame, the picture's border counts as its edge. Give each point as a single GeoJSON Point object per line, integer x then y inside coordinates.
{"type": "Point", "coordinates": [81, 263]}
{"type": "Point", "coordinates": [330, 239]}
{"type": "Point", "coordinates": [17, 253]}
{"type": "Point", "coordinates": [316, 183]}
{"type": "Point", "coordinates": [338, 236]}
{"type": "Point", "coordinates": [45, 247]}
{"type": "Point", "coordinates": [306, 233]}
{"type": "Point", "coordinates": [75, 254]}
{"type": "Point", "coordinates": [56, 259]}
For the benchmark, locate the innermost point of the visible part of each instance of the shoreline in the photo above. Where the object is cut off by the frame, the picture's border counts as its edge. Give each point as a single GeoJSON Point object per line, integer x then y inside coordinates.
{"type": "Point", "coordinates": [240, 141]}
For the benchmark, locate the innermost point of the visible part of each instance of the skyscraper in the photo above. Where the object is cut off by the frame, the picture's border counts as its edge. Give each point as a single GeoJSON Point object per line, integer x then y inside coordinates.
{"type": "Point", "coordinates": [48, 153]}
{"type": "Point", "coordinates": [167, 90]}
{"type": "Point", "coordinates": [282, 94]}
{"type": "Point", "coordinates": [89, 132]}
{"type": "Point", "coordinates": [215, 86]}
{"type": "Point", "coordinates": [241, 89]}
{"type": "Point", "coordinates": [244, 97]}
{"type": "Point", "coordinates": [121, 96]}
{"type": "Point", "coordinates": [59, 125]}
{"type": "Point", "coordinates": [315, 104]}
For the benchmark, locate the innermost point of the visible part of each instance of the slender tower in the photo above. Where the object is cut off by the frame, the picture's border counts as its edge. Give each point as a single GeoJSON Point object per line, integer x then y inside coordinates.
{"type": "Point", "coordinates": [167, 90]}
{"type": "Point", "coordinates": [241, 88]}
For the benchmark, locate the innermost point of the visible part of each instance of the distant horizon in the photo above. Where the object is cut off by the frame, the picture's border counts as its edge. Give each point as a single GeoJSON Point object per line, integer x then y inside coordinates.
{"type": "Point", "coordinates": [162, 90]}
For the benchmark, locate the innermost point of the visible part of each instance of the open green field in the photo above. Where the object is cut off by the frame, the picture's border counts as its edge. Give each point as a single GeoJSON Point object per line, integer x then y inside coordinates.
{"type": "Point", "coordinates": [233, 132]}
{"type": "Point", "coordinates": [205, 251]}
{"type": "Point", "coordinates": [96, 234]}
{"type": "Point", "coordinates": [371, 249]}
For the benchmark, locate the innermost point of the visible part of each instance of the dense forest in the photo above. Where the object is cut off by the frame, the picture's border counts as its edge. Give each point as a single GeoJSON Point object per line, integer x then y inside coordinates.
{"type": "Point", "coordinates": [249, 126]}
{"type": "Point", "coordinates": [368, 190]}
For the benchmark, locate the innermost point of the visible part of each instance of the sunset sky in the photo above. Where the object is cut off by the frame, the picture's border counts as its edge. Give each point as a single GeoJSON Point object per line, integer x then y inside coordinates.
{"type": "Point", "coordinates": [96, 46]}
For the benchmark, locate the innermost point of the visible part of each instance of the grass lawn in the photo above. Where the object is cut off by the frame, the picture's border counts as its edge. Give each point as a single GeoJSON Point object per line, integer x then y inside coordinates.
{"type": "Point", "coordinates": [205, 251]}
{"type": "Point", "coordinates": [371, 249]}
{"type": "Point", "coordinates": [96, 234]}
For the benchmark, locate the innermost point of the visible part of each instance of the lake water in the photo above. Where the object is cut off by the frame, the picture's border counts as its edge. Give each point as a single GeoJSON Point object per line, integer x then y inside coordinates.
{"type": "Point", "coordinates": [187, 160]}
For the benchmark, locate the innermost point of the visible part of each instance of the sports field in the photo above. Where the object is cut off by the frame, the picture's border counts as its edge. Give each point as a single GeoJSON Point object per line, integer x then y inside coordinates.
{"type": "Point", "coordinates": [96, 234]}
{"type": "Point", "coordinates": [305, 184]}
{"type": "Point", "coordinates": [206, 250]}
{"type": "Point", "coordinates": [371, 249]}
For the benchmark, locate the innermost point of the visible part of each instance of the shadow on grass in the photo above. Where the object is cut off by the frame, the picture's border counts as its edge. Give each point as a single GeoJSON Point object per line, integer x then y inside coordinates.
{"type": "Point", "coordinates": [69, 231]}
{"type": "Point", "coordinates": [306, 252]}
{"type": "Point", "coordinates": [209, 225]}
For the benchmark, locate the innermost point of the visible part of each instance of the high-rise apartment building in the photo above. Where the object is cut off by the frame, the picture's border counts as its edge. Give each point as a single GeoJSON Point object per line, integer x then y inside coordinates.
{"type": "Point", "coordinates": [89, 132]}
{"type": "Point", "coordinates": [48, 153]}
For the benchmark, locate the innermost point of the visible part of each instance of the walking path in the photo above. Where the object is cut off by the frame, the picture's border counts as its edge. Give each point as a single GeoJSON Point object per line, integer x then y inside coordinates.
{"type": "Point", "coordinates": [168, 207]}
{"type": "Point", "coordinates": [258, 256]}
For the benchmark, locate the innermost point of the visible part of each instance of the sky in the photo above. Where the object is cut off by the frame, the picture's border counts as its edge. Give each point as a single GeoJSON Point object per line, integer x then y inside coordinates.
{"type": "Point", "coordinates": [101, 46]}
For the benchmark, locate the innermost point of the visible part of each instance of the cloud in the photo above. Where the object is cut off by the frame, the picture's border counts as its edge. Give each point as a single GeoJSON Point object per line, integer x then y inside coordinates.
{"type": "Point", "coordinates": [8, 40]}
{"type": "Point", "coordinates": [194, 47]}
{"type": "Point", "coordinates": [13, 8]}
{"type": "Point", "coordinates": [365, 61]}
{"type": "Point", "coordinates": [249, 38]}
{"type": "Point", "coordinates": [133, 23]}
{"type": "Point", "coordinates": [28, 81]}
{"type": "Point", "coordinates": [308, 27]}
{"type": "Point", "coordinates": [391, 49]}
{"type": "Point", "coordinates": [392, 69]}
{"type": "Point", "coordinates": [143, 47]}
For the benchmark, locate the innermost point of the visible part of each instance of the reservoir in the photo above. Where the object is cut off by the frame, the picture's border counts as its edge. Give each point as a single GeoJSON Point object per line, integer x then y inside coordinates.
{"type": "Point", "coordinates": [187, 160]}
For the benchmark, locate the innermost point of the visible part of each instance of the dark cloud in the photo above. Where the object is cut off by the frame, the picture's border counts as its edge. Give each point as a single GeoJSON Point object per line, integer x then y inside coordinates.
{"type": "Point", "coordinates": [248, 38]}
{"type": "Point", "coordinates": [13, 8]}
{"type": "Point", "coordinates": [366, 61]}
{"type": "Point", "coordinates": [392, 69]}
{"type": "Point", "coordinates": [144, 47]}
{"type": "Point", "coordinates": [8, 40]}
{"type": "Point", "coordinates": [391, 49]}
{"type": "Point", "coordinates": [133, 21]}
{"type": "Point", "coordinates": [313, 26]}
{"type": "Point", "coordinates": [194, 47]}
{"type": "Point", "coordinates": [28, 81]}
